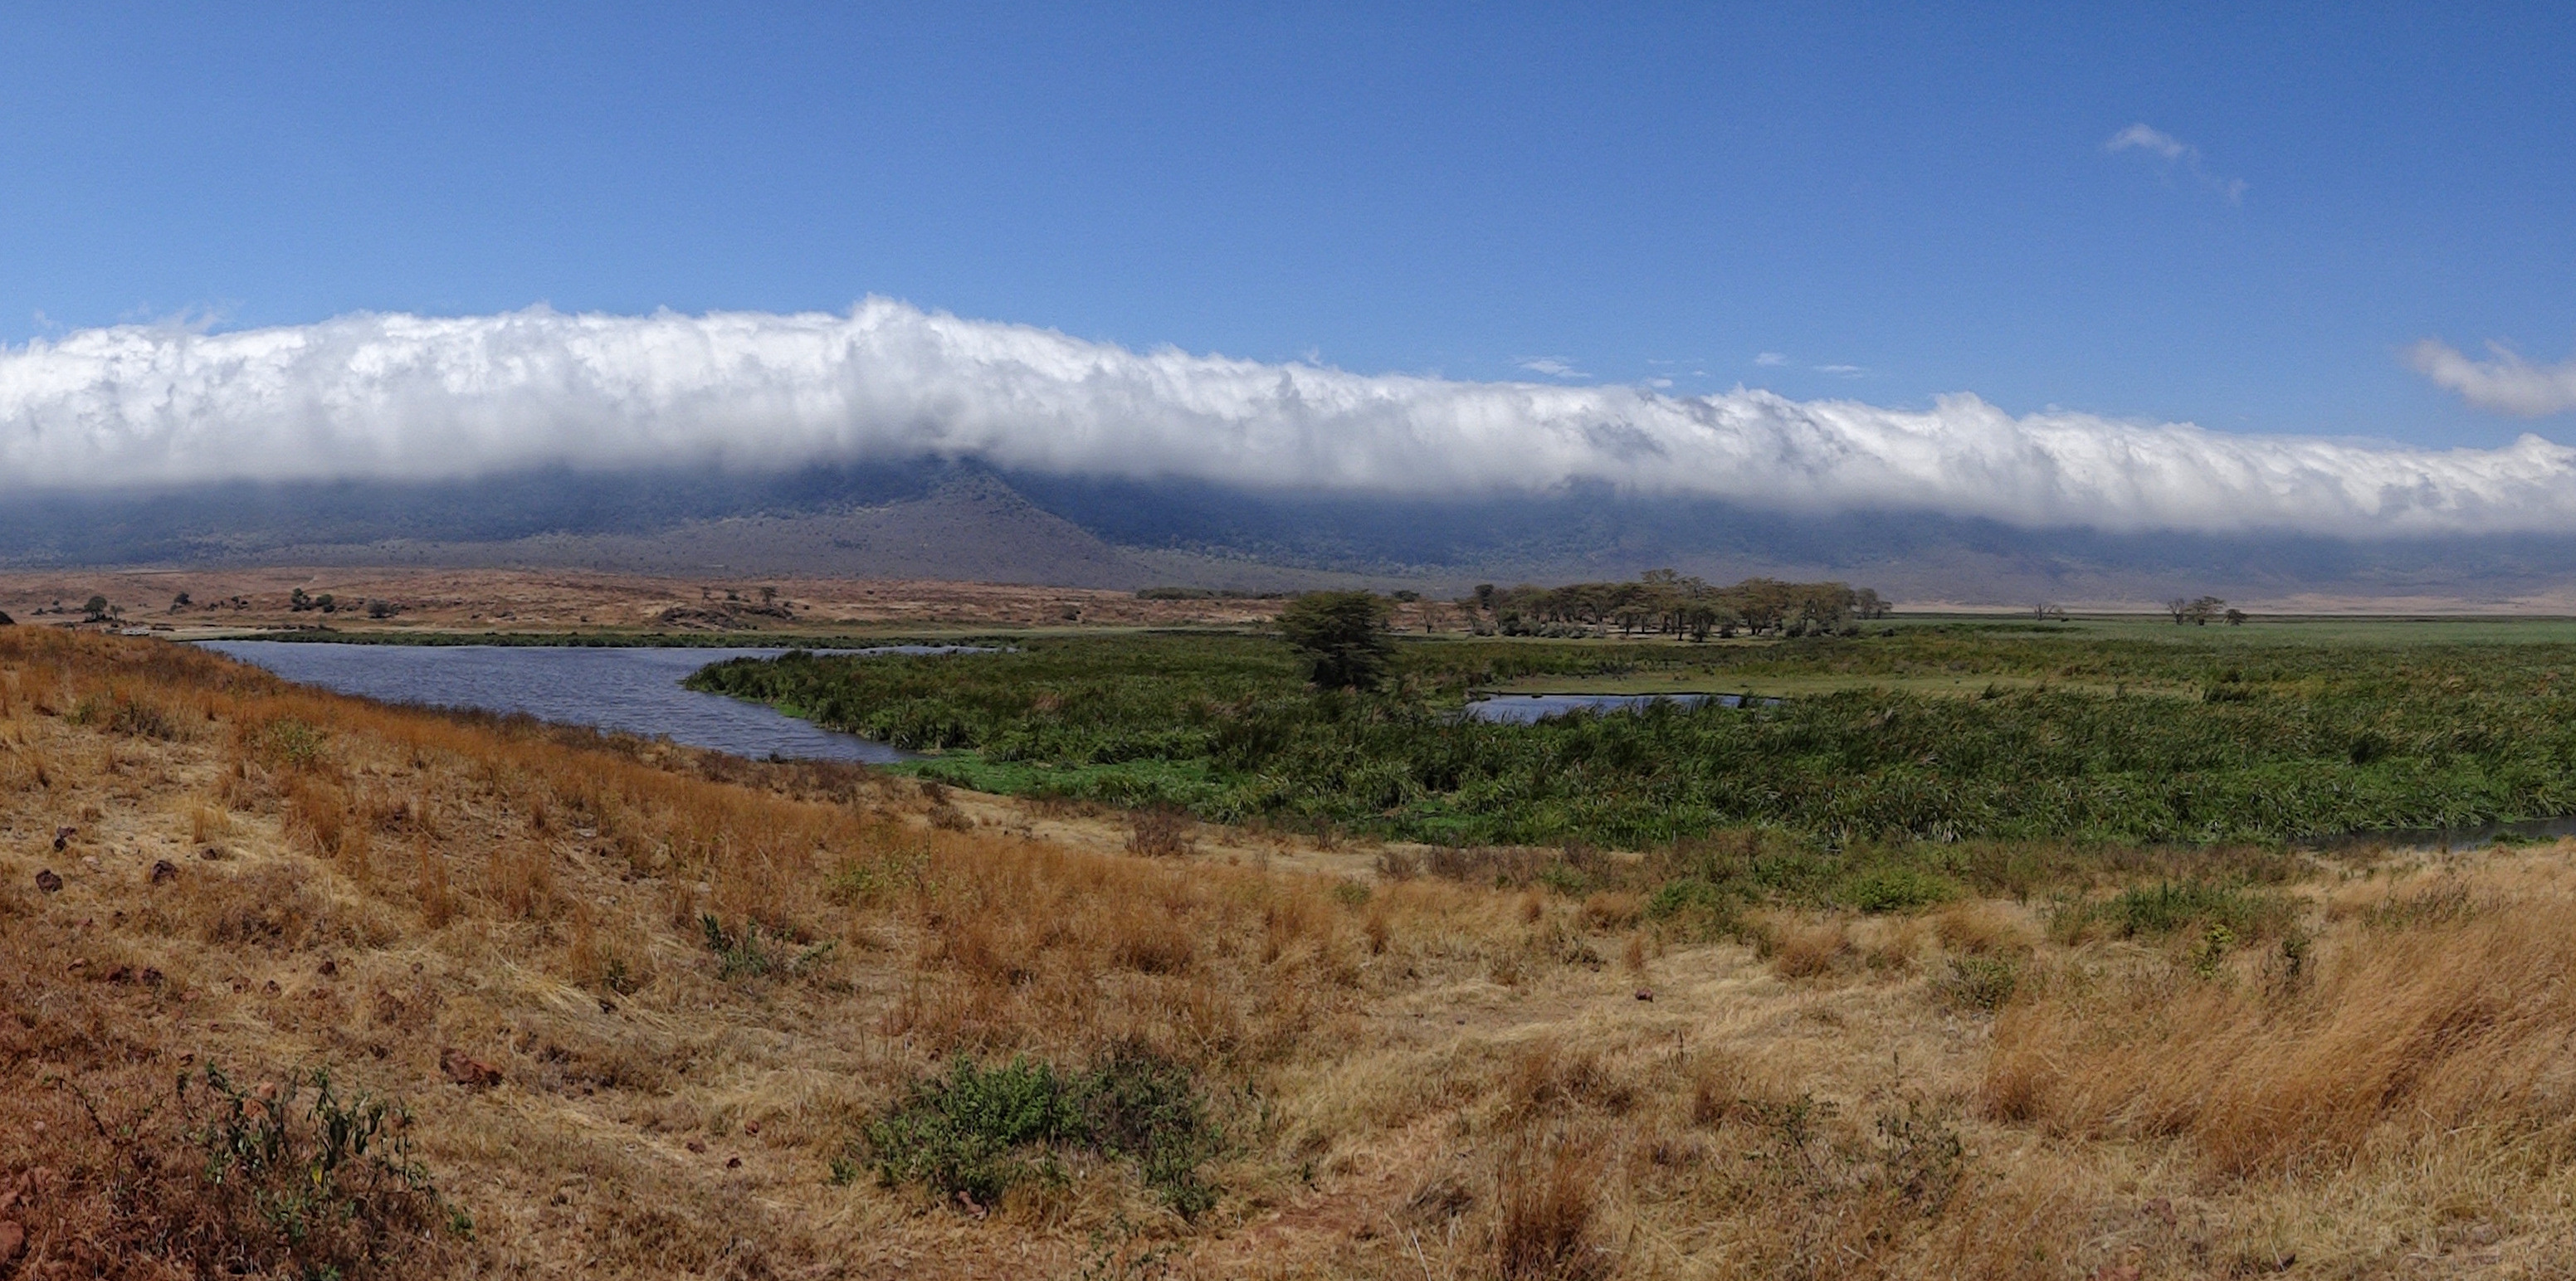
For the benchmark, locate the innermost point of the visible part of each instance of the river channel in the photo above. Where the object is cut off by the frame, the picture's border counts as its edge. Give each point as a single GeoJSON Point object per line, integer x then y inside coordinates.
{"type": "Point", "coordinates": [630, 690]}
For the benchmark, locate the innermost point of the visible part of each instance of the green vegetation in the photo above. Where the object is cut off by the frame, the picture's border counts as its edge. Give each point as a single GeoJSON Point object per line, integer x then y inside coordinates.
{"type": "Point", "coordinates": [1663, 602]}
{"type": "Point", "coordinates": [1341, 636]}
{"type": "Point", "coordinates": [978, 1131]}
{"type": "Point", "coordinates": [322, 1184]}
{"type": "Point", "coordinates": [2106, 732]}
{"type": "Point", "coordinates": [746, 951]}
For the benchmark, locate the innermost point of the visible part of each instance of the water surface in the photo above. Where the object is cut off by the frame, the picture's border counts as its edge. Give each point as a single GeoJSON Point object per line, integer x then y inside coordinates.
{"type": "Point", "coordinates": [630, 690]}
{"type": "Point", "coordinates": [1529, 709]}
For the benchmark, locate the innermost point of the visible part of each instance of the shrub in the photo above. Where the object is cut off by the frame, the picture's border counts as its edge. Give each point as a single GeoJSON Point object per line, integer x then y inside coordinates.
{"type": "Point", "coordinates": [2170, 907]}
{"type": "Point", "coordinates": [1159, 832]}
{"type": "Point", "coordinates": [318, 1185]}
{"type": "Point", "coordinates": [745, 951]}
{"type": "Point", "coordinates": [1896, 888]}
{"type": "Point", "coordinates": [978, 1131]}
{"type": "Point", "coordinates": [1983, 983]}
{"type": "Point", "coordinates": [1689, 895]}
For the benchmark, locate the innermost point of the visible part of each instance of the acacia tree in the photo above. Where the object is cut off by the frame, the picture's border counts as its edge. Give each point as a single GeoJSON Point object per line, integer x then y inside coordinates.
{"type": "Point", "coordinates": [1341, 635]}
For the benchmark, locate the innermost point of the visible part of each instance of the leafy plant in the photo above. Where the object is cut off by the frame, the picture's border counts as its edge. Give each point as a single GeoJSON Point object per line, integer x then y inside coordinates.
{"type": "Point", "coordinates": [318, 1180]}
{"type": "Point", "coordinates": [1983, 983]}
{"type": "Point", "coordinates": [746, 951]}
{"type": "Point", "coordinates": [978, 1131]}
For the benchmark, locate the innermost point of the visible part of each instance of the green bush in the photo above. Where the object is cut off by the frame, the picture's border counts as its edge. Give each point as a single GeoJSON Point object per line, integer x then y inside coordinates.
{"type": "Point", "coordinates": [1982, 983]}
{"type": "Point", "coordinates": [978, 1131]}
{"type": "Point", "coordinates": [746, 951]}
{"type": "Point", "coordinates": [2171, 907]}
{"type": "Point", "coordinates": [318, 1184]}
{"type": "Point", "coordinates": [1896, 888]}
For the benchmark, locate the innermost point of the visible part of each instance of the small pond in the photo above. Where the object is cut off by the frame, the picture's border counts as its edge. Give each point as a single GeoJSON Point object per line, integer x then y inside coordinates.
{"type": "Point", "coordinates": [627, 690]}
{"type": "Point", "coordinates": [1527, 709]}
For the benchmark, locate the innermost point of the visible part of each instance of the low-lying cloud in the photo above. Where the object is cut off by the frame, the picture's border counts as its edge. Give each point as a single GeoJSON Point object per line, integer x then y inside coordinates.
{"type": "Point", "coordinates": [2506, 384]}
{"type": "Point", "coordinates": [400, 397]}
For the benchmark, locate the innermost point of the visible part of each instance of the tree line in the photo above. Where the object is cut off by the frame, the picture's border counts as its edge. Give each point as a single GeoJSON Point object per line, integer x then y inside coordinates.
{"type": "Point", "coordinates": [1663, 602]}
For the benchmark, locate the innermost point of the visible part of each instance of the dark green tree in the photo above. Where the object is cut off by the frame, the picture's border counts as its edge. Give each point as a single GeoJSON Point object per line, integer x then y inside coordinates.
{"type": "Point", "coordinates": [1341, 635]}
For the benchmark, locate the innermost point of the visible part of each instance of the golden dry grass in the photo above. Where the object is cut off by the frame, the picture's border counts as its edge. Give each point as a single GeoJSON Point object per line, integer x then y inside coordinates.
{"type": "Point", "coordinates": [1415, 1078]}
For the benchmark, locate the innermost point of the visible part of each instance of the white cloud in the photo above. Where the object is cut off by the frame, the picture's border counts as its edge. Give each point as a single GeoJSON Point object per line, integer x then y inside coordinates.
{"type": "Point", "coordinates": [1847, 371]}
{"type": "Point", "coordinates": [2175, 153]}
{"type": "Point", "coordinates": [1771, 358]}
{"type": "Point", "coordinates": [409, 397]}
{"type": "Point", "coordinates": [2150, 139]}
{"type": "Point", "coordinates": [2507, 384]}
{"type": "Point", "coordinates": [1552, 366]}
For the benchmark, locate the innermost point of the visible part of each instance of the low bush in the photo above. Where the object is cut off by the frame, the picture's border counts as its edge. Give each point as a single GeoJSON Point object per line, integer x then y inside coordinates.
{"type": "Point", "coordinates": [978, 1131]}
{"type": "Point", "coordinates": [2168, 908]}
{"type": "Point", "coordinates": [745, 951]}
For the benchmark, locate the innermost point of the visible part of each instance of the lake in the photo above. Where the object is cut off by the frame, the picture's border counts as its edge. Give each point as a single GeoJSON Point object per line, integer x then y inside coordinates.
{"type": "Point", "coordinates": [634, 690]}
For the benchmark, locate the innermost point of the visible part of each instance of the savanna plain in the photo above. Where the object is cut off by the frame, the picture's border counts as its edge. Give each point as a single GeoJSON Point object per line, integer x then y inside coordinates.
{"type": "Point", "coordinates": [1951, 949]}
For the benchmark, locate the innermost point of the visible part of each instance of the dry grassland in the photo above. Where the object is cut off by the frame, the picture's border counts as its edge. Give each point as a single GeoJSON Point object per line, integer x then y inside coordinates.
{"type": "Point", "coordinates": [506, 927]}
{"type": "Point", "coordinates": [541, 601]}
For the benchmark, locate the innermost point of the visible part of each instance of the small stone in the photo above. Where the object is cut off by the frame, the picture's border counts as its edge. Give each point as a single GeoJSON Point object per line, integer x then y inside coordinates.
{"type": "Point", "coordinates": [465, 1070]}
{"type": "Point", "coordinates": [121, 974]}
{"type": "Point", "coordinates": [164, 871]}
{"type": "Point", "coordinates": [696, 1146]}
{"type": "Point", "coordinates": [1645, 994]}
{"type": "Point", "coordinates": [151, 977]}
{"type": "Point", "coordinates": [47, 881]}
{"type": "Point", "coordinates": [330, 968]}
{"type": "Point", "coordinates": [733, 1163]}
{"type": "Point", "coordinates": [751, 1127]}
{"type": "Point", "coordinates": [272, 988]}
{"type": "Point", "coordinates": [63, 836]}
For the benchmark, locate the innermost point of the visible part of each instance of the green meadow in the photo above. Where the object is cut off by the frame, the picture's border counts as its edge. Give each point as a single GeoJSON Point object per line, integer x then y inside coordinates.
{"type": "Point", "coordinates": [1923, 730]}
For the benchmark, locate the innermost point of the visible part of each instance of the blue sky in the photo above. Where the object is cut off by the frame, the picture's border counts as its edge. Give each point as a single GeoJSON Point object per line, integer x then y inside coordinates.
{"type": "Point", "coordinates": [1927, 198]}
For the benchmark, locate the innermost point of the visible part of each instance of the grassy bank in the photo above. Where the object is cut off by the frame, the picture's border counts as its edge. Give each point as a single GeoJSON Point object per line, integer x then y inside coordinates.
{"type": "Point", "coordinates": [2122, 733]}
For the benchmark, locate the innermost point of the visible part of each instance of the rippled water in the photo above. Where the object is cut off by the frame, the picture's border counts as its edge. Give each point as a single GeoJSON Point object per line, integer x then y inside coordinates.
{"type": "Point", "coordinates": [1525, 709]}
{"type": "Point", "coordinates": [636, 691]}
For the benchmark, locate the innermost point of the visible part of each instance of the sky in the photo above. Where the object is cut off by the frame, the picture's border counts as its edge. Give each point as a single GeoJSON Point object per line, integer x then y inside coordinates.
{"type": "Point", "coordinates": [2302, 222]}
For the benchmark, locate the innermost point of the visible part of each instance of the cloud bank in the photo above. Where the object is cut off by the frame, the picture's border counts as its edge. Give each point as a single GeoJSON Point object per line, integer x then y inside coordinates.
{"type": "Point", "coordinates": [400, 397]}
{"type": "Point", "coordinates": [2507, 384]}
